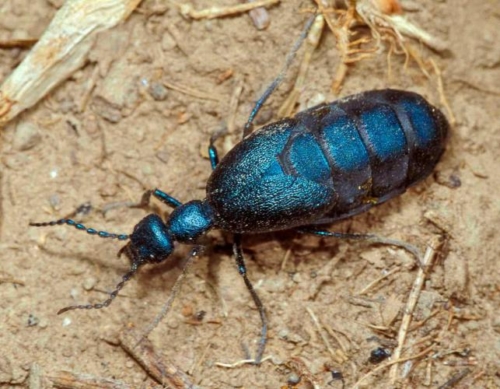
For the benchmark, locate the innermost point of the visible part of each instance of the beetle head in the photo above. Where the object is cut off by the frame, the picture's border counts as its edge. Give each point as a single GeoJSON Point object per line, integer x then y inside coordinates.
{"type": "Point", "coordinates": [151, 242]}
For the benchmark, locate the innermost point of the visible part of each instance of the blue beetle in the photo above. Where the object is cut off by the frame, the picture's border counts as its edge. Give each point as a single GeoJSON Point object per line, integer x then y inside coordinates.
{"type": "Point", "coordinates": [325, 164]}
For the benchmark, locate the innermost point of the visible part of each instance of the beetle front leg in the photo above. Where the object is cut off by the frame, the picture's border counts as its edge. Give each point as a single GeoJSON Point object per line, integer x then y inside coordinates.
{"type": "Point", "coordinates": [146, 201]}
{"type": "Point", "coordinates": [164, 198]}
{"type": "Point", "coordinates": [213, 154]}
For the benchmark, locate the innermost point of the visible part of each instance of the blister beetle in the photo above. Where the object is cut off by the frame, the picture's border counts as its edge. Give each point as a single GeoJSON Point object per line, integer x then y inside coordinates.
{"type": "Point", "coordinates": [325, 164]}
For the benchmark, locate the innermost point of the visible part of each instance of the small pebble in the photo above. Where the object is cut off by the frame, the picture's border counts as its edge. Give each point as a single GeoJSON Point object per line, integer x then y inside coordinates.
{"type": "Point", "coordinates": [27, 136]}
{"type": "Point", "coordinates": [106, 110]}
{"type": "Point", "coordinates": [66, 322]}
{"type": "Point", "coordinates": [297, 278]}
{"type": "Point", "coordinates": [158, 91]}
{"type": "Point", "coordinates": [74, 293]}
{"type": "Point", "coordinates": [293, 379]}
{"type": "Point", "coordinates": [43, 323]}
{"type": "Point", "coordinates": [55, 202]}
{"type": "Point", "coordinates": [260, 18]}
{"type": "Point", "coordinates": [67, 105]}
{"type": "Point", "coordinates": [187, 310]}
{"type": "Point", "coordinates": [378, 355]}
{"type": "Point", "coordinates": [283, 334]}
{"type": "Point", "coordinates": [317, 99]}
{"type": "Point", "coordinates": [496, 324]}
{"type": "Point", "coordinates": [32, 320]}
{"type": "Point", "coordinates": [162, 156]}
{"type": "Point", "coordinates": [455, 181]}
{"type": "Point", "coordinates": [89, 283]}
{"type": "Point", "coordinates": [200, 315]}
{"type": "Point", "coordinates": [167, 42]}
{"type": "Point", "coordinates": [337, 375]}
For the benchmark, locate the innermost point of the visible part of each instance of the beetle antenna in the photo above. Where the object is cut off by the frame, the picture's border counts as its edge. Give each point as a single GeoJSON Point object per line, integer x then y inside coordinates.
{"type": "Point", "coordinates": [127, 276]}
{"type": "Point", "coordinates": [277, 81]}
{"type": "Point", "coordinates": [80, 226]}
{"type": "Point", "coordinates": [173, 293]}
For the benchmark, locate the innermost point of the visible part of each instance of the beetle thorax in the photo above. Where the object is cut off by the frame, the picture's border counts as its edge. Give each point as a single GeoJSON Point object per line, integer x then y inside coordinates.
{"type": "Point", "coordinates": [191, 220]}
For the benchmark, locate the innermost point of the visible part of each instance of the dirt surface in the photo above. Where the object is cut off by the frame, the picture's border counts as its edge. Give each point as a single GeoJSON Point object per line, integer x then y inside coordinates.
{"type": "Point", "coordinates": [135, 134]}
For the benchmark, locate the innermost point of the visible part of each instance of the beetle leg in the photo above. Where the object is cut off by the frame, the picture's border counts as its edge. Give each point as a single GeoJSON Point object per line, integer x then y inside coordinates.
{"type": "Point", "coordinates": [312, 42]}
{"type": "Point", "coordinates": [164, 198]}
{"type": "Point", "coordinates": [212, 151]}
{"type": "Point", "coordinates": [240, 262]}
{"type": "Point", "coordinates": [247, 130]}
{"type": "Point", "coordinates": [369, 237]}
{"type": "Point", "coordinates": [144, 202]}
{"type": "Point", "coordinates": [213, 154]}
{"type": "Point", "coordinates": [331, 234]}
{"type": "Point", "coordinates": [160, 195]}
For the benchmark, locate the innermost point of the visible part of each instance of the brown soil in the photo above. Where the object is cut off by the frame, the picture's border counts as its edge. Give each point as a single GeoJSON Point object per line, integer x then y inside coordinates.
{"type": "Point", "coordinates": [131, 137]}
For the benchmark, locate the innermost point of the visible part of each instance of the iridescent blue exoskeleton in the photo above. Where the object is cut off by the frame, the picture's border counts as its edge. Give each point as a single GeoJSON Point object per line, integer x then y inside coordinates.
{"type": "Point", "coordinates": [325, 164]}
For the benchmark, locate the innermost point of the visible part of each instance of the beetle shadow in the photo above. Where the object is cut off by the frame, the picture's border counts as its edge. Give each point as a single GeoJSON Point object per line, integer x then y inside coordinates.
{"type": "Point", "coordinates": [370, 222]}
{"type": "Point", "coordinates": [120, 265]}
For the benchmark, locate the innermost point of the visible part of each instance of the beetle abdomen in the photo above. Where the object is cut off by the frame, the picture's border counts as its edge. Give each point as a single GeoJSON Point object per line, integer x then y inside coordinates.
{"type": "Point", "coordinates": [396, 139]}
{"type": "Point", "coordinates": [329, 162]}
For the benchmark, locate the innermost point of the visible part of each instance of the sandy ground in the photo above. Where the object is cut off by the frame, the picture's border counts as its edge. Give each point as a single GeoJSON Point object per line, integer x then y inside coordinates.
{"type": "Point", "coordinates": [136, 134]}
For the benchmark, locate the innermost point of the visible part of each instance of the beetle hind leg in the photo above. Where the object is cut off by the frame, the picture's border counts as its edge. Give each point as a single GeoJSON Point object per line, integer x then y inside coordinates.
{"type": "Point", "coordinates": [240, 262]}
{"type": "Point", "coordinates": [372, 238]}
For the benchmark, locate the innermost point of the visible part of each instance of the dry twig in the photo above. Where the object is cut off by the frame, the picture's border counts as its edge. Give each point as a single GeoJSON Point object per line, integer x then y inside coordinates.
{"type": "Point", "coordinates": [163, 371]}
{"type": "Point", "coordinates": [193, 92]}
{"type": "Point", "coordinates": [377, 280]}
{"type": "Point", "coordinates": [70, 380]}
{"type": "Point", "coordinates": [242, 362]}
{"type": "Point", "coordinates": [12, 43]}
{"type": "Point", "coordinates": [418, 284]}
{"type": "Point", "coordinates": [384, 23]}
{"type": "Point", "coordinates": [62, 49]}
{"type": "Point", "coordinates": [218, 12]}
{"type": "Point", "coordinates": [337, 355]}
